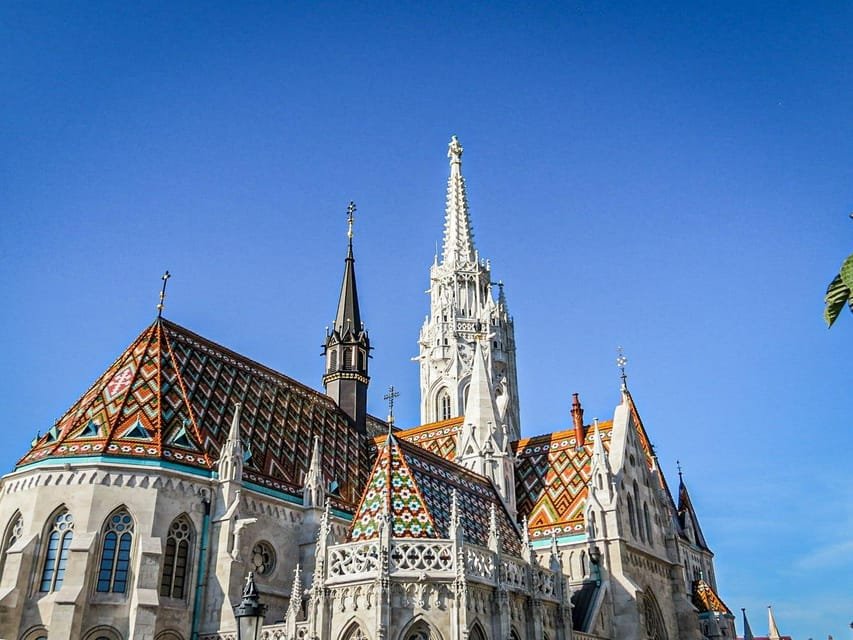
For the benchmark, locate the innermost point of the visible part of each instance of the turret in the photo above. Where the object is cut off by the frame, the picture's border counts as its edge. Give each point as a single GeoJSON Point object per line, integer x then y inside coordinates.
{"type": "Point", "coordinates": [347, 347]}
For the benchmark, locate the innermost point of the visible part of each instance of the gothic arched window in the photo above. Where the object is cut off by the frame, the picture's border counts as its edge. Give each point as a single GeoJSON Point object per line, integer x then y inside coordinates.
{"type": "Point", "coordinates": [639, 515]}
{"type": "Point", "coordinates": [354, 632]}
{"type": "Point", "coordinates": [176, 558]}
{"type": "Point", "coordinates": [333, 360]}
{"type": "Point", "coordinates": [648, 523]}
{"type": "Point", "coordinates": [13, 533]}
{"type": "Point", "coordinates": [115, 553]}
{"type": "Point", "coordinates": [476, 633]}
{"type": "Point", "coordinates": [56, 554]}
{"type": "Point", "coordinates": [347, 363]}
{"type": "Point", "coordinates": [632, 516]}
{"type": "Point", "coordinates": [443, 405]}
{"type": "Point", "coordinates": [655, 627]}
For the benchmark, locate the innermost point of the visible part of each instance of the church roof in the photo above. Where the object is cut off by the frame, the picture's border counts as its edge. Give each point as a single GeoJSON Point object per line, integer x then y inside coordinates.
{"type": "Point", "coordinates": [552, 473]}
{"type": "Point", "coordinates": [170, 397]}
{"type": "Point", "coordinates": [436, 437]}
{"type": "Point", "coordinates": [687, 519]}
{"type": "Point", "coordinates": [416, 488]}
{"type": "Point", "coordinates": [706, 600]}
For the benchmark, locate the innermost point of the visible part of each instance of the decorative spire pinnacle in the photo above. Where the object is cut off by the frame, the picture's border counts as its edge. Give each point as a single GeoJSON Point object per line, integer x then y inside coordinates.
{"type": "Point", "coordinates": [165, 278]}
{"type": "Point", "coordinates": [458, 236]}
{"type": "Point", "coordinates": [494, 536]}
{"type": "Point", "coordinates": [772, 629]}
{"type": "Point", "coordinates": [230, 464]}
{"type": "Point", "coordinates": [621, 361]}
{"type": "Point", "coordinates": [747, 631]}
{"type": "Point", "coordinates": [680, 476]}
{"type": "Point", "coordinates": [294, 607]}
{"type": "Point", "coordinates": [314, 491]}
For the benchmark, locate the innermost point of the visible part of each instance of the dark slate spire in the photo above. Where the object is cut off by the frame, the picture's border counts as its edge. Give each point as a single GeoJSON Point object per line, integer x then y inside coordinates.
{"type": "Point", "coordinates": [347, 346]}
{"type": "Point", "coordinates": [349, 317]}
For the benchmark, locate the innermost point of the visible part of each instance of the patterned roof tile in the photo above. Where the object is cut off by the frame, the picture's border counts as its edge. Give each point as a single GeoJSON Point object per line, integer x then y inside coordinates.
{"type": "Point", "coordinates": [171, 395]}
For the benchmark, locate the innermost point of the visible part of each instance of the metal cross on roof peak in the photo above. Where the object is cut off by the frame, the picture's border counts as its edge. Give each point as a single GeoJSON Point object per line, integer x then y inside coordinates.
{"type": "Point", "coordinates": [621, 361]}
{"type": "Point", "coordinates": [165, 278]}
{"type": "Point", "coordinates": [389, 397]}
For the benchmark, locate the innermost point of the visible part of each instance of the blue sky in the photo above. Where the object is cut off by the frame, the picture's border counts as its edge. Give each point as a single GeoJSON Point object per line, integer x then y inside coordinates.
{"type": "Point", "coordinates": [675, 180]}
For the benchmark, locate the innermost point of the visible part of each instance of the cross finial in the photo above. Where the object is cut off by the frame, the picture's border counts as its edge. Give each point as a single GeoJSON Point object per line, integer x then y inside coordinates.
{"type": "Point", "coordinates": [678, 464]}
{"type": "Point", "coordinates": [350, 219]}
{"type": "Point", "coordinates": [389, 397]}
{"type": "Point", "coordinates": [165, 277]}
{"type": "Point", "coordinates": [621, 361]}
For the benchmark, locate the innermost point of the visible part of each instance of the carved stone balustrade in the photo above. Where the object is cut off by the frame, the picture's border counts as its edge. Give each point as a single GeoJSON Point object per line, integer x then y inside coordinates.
{"type": "Point", "coordinates": [479, 564]}
{"type": "Point", "coordinates": [353, 560]}
{"type": "Point", "coordinates": [514, 574]}
{"type": "Point", "coordinates": [422, 556]}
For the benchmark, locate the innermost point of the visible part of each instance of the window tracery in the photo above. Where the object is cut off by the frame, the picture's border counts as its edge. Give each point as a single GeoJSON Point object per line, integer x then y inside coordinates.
{"type": "Point", "coordinates": [176, 558]}
{"type": "Point", "coordinates": [115, 553]}
{"type": "Point", "coordinates": [56, 555]}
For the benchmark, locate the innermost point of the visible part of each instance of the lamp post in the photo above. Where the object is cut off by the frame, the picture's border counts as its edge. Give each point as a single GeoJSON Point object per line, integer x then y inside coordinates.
{"type": "Point", "coordinates": [250, 612]}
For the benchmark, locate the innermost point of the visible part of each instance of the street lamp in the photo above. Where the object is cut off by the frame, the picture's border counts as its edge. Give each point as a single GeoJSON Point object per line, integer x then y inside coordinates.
{"type": "Point", "coordinates": [250, 612]}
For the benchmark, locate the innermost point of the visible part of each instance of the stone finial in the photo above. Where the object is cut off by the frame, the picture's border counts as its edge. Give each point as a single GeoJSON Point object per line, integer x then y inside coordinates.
{"type": "Point", "coordinates": [314, 492]}
{"type": "Point", "coordinates": [454, 151]}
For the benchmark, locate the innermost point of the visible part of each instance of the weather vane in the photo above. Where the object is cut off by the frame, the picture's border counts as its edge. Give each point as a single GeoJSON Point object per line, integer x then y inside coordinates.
{"type": "Point", "coordinates": [165, 277]}
{"type": "Point", "coordinates": [621, 361]}
{"type": "Point", "coordinates": [678, 464]}
{"type": "Point", "coordinates": [350, 218]}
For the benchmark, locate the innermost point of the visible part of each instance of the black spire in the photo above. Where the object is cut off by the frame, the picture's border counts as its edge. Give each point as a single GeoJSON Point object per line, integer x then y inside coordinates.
{"type": "Point", "coordinates": [349, 317]}
{"type": "Point", "coordinates": [347, 346]}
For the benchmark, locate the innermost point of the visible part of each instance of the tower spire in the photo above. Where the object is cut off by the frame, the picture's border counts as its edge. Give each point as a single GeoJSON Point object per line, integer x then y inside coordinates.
{"type": "Point", "coordinates": [458, 236]}
{"type": "Point", "coordinates": [347, 346]}
{"type": "Point", "coordinates": [348, 317]}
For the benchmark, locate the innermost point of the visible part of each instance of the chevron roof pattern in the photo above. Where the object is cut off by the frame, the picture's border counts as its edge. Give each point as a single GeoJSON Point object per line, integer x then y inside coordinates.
{"type": "Point", "coordinates": [409, 479]}
{"type": "Point", "coordinates": [552, 473]}
{"type": "Point", "coordinates": [436, 437]}
{"type": "Point", "coordinates": [706, 599]}
{"type": "Point", "coordinates": [170, 397]}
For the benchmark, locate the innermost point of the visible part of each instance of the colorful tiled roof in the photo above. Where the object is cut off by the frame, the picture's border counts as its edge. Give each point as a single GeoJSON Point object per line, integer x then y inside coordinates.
{"type": "Point", "coordinates": [706, 599]}
{"type": "Point", "coordinates": [418, 479]}
{"type": "Point", "coordinates": [552, 474]}
{"type": "Point", "coordinates": [436, 437]}
{"type": "Point", "coordinates": [391, 490]}
{"type": "Point", "coordinates": [170, 397]}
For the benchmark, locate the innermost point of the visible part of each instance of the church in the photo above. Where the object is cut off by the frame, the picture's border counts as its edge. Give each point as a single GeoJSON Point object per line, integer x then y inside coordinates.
{"type": "Point", "coordinates": [188, 477]}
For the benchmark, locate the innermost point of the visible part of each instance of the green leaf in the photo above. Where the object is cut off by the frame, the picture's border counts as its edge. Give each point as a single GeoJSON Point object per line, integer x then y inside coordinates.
{"type": "Point", "coordinates": [837, 295]}
{"type": "Point", "coordinates": [846, 272]}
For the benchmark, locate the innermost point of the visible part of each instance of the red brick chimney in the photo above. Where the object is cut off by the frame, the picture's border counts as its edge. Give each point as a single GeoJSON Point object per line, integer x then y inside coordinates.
{"type": "Point", "coordinates": [577, 420]}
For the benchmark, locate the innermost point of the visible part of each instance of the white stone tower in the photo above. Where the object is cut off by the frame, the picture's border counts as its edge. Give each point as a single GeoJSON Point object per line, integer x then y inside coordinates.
{"type": "Point", "coordinates": [462, 306]}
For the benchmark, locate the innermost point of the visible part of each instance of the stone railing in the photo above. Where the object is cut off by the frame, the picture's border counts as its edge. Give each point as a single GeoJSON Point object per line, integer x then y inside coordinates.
{"type": "Point", "coordinates": [479, 563]}
{"type": "Point", "coordinates": [514, 574]}
{"type": "Point", "coordinates": [354, 558]}
{"type": "Point", "coordinates": [577, 635]}
{"type": "Point", "coordinates": [545, 583]}
{"type": "Point", "coordinates": [422, 556]}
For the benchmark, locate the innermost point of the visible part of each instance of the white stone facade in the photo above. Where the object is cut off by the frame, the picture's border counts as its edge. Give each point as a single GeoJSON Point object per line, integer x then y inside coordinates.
{"type": "Point", "coordinates": [462, 307]}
